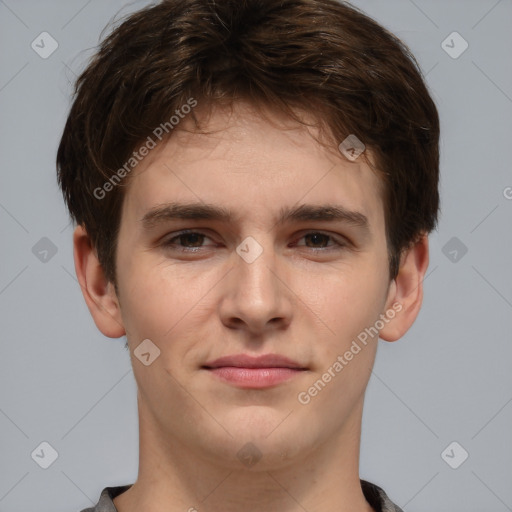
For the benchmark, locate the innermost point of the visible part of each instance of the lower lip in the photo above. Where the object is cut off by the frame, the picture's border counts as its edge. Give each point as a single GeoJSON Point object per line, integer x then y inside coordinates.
{"type": "Point", "coordinates": [254, 378]}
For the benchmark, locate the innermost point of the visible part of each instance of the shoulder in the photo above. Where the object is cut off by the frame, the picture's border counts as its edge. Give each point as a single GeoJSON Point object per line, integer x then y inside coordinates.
{"type": "Point", "coordinates": [377, 498]}
{"type": "Point", "coordinates": [105, 502]}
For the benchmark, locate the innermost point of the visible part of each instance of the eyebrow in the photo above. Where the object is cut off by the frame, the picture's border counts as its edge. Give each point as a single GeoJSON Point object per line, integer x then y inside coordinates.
{"type": "Point", "coordinates": [303, 213]}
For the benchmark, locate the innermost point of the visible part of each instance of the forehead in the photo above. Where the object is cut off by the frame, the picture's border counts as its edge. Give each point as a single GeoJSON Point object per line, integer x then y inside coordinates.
{"type": "Point", "coordinates": [251, 164]}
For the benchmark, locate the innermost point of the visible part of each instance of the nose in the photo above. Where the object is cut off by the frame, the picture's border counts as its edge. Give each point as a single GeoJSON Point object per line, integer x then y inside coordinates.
{"type": "Point", "coordinates": [255, 294]}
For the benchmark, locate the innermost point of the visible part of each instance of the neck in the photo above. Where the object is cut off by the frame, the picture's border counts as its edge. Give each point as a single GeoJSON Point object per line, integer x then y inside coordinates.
{"type": "Point", "coordinates": [174, 478]}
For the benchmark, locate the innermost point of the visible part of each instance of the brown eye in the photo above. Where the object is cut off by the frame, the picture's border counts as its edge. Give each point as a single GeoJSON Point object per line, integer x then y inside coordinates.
{"type": "Point", "coordinates": [195, 239]}
{"type": "Point", "coordinates": [317, 240]}
{"type": "Point", "coordinates": [186, 241]}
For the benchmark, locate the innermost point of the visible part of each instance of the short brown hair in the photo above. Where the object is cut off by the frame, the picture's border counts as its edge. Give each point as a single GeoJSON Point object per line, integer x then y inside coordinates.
{"type": "Point", "coordinates": [322, 56]}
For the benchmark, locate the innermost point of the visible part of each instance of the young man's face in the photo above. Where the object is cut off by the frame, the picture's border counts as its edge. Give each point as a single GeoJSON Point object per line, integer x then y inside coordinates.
{"type": "Point", "coordinates": [254, 285]}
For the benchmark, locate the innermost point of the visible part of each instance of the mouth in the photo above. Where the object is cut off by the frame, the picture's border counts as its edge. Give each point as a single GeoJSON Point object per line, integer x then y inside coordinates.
{"type": "Point", "coordinates": [251, 372]}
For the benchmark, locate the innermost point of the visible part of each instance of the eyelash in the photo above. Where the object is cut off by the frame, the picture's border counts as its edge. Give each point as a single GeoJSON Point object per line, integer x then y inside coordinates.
{"type": "Point", "coordinates": [169, 243]}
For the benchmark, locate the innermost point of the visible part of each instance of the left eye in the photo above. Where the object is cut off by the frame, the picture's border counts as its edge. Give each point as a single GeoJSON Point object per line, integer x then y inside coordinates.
{"type": "Point", "coordinates": [319, 238]}
{"type": "Point", "coordinates": [196, 238]}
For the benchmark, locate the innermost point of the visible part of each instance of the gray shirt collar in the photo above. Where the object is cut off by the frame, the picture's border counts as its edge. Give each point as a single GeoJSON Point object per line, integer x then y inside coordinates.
{"type": "Point", "coordinates": [374, 495]}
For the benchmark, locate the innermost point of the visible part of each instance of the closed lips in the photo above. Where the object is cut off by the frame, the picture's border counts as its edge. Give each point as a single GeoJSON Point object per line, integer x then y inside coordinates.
{"type": "Point", "coordinates": [246, 361]}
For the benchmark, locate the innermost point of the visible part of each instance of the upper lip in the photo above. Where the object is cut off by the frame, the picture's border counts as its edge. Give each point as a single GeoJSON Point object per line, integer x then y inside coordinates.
{"type": "Point", "coordinates": [247, 361]}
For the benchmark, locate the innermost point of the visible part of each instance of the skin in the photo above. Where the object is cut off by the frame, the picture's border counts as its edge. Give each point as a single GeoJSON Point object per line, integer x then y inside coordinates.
{"type": "Point", "coordinates": [305, 298]}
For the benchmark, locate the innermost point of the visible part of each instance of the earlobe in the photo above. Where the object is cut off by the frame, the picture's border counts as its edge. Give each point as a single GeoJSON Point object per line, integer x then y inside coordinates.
{"type": "Point", "coordinates": [406, 291]}
{"type": "Point", "coordinates": [98, 292]}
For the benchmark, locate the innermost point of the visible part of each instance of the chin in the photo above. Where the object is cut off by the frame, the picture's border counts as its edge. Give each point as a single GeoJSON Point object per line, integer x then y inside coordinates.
{"type": "Point", "coordinates": [262, 438]}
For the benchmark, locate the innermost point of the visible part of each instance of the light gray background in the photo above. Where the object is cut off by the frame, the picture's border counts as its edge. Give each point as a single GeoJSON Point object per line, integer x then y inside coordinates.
{"type": "Point", "coordinates": [449, 379]}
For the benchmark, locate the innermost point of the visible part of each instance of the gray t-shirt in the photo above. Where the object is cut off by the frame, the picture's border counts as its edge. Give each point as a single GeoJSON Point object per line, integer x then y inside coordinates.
{"type": "Point", "coordinates": [374, 495]}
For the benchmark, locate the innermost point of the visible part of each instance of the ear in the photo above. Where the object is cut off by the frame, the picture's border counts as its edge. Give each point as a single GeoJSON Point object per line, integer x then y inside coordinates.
{"type": "Point", "coordinates": [99, 294]}
{"type": "Point", "coordinates": [405, 293]}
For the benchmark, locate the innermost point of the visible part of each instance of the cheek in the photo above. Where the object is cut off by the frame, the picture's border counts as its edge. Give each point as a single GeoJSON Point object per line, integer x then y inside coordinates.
{"type": "Point", "coordinates": [151, 302]}
{"type": "Point", "coordinates": [347, 301]}
{"type": "Point", "coordinates": [166, 303]}
{"type": "Point", "coordinates": [345, 354]}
